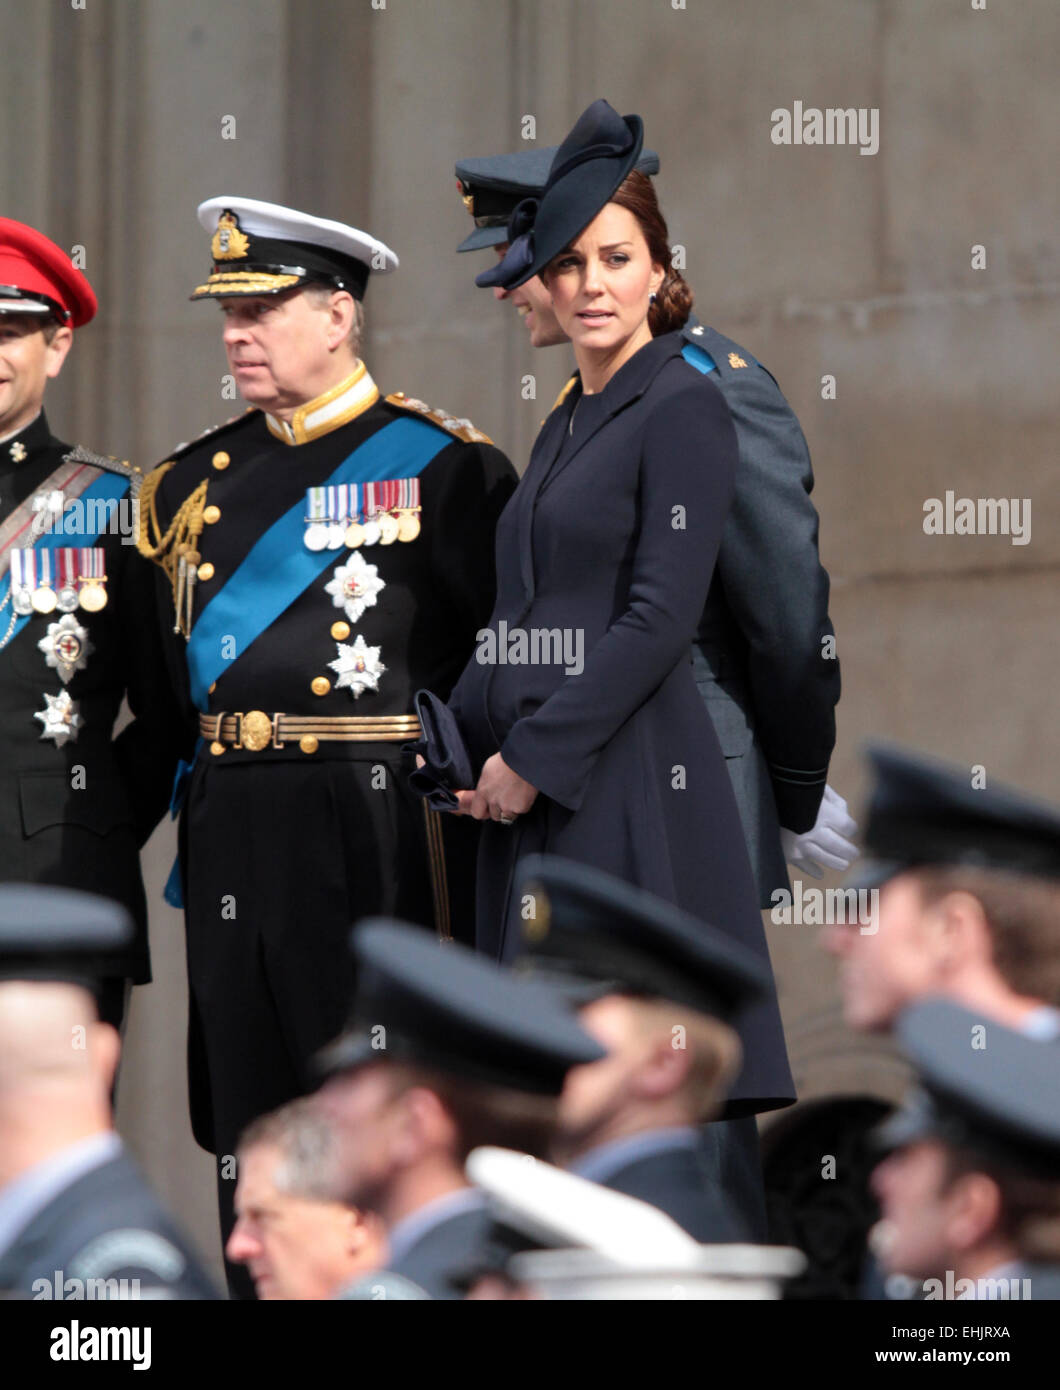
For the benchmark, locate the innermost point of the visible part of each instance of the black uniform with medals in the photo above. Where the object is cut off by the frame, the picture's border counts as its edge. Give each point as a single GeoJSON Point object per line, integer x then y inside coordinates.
{"type": "Point", "coordinates": [282, 847]}
{"type": "Point", "coordinates": [57, 825]}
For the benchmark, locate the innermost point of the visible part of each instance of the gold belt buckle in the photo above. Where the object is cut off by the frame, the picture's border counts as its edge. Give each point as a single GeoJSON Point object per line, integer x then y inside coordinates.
{"type": "Point", "coordinates": [254, 730]}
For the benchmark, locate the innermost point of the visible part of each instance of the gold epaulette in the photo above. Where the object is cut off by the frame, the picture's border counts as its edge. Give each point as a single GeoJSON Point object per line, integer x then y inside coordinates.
{"type": "Point", "coordinates": [564, 394]}
{"type": "Point", "coordinates": [462, 429]}
{"type": "Point", "coordinates": [175, 550]}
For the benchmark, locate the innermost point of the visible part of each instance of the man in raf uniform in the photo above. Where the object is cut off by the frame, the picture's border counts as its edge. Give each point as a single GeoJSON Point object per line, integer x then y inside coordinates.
{"type": "Point", "coordinates": [970, 1192]}
{"type": "Point", "coordinates": [445, 1051]}
{"type": "Point", "coordinates": [764, 655]}
{"type": "Point", "coordinates": [968, 880]}
{"type": "Point", "coordinates": [645, 972]}
{"type": "Point", "coordinates": [328, 553]}
{"type": "Point", "coordinates": [968, 885]}
{"type": "Point", "coordinates": [77, 628]}
{"type": "Point", "coordinates": [77, 1219]}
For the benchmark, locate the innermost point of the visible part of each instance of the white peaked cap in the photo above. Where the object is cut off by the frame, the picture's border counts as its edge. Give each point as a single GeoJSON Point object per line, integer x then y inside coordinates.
{"type": "Point", "coordinates": [279, 223]}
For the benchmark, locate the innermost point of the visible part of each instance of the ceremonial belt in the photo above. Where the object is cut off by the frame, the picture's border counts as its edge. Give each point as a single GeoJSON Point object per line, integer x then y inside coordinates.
{"type": "Point", "coordinates": [256, 730]}
{"type": "Point", "coordinates": [279, 568]}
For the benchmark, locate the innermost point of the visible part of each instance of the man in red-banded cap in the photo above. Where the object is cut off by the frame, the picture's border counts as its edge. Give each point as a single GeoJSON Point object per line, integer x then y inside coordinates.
{"type": "Point", "coordinates": [76, 629]}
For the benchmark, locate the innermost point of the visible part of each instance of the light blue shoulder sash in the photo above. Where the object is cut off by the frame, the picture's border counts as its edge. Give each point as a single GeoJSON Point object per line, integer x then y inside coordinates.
{"type": "Point", "coordinates": [279, 568]}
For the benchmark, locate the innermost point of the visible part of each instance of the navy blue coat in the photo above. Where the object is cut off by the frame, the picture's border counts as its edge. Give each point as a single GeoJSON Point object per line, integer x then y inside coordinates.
{"type": "Point", "coordinates": [618, 542]}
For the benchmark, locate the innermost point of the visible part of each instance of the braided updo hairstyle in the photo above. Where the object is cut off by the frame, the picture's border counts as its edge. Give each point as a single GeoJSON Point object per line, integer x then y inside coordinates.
{"type": "Point", "coordinates": [674, 298]}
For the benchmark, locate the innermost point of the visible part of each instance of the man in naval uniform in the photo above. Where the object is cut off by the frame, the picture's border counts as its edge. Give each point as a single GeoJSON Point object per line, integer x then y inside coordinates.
{"type": "Point", "coordinates": [970, 1189]}
{"type": "Point", "coordinates": [77, 1219]}
{"type": "Point", "coordinates": [444, 1051]}
{"type": "Point", "coordinates": [644, 974]}
{"type": "Point", "coordinates": [77, 629]}
{"type": "Point", "coordinates": [327, 554]}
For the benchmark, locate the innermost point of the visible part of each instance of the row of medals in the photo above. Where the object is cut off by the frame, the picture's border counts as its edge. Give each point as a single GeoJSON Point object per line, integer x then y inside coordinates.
{"type": "Point", "coordinates": [91, 597]}
{"type": "Point", "coordinates": [384, 528]}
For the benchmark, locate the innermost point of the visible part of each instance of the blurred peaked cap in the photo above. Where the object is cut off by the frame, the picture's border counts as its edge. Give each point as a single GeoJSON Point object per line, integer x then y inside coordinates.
{"type": "Point", "coordinates": [922, 811]}
{"type": "Point", "coordinates": [982, 1087]}
{"type": "Point", "coordinates": [447, 1008]}
{"type": "Point", "coordinates": [557, 1210]}
{"type": "Point", "coordinates": [60, 934]}
{"type": "Point", "coordinates": [493, 185]}
{"type": "Point", "coordinates": [600, 150]}
{"type": "Point", "coordinates": [265, 248]}
{"type": "Point", "coordinates": [597, 928]}
{"type": "Point", "coordinates": [37, 277]}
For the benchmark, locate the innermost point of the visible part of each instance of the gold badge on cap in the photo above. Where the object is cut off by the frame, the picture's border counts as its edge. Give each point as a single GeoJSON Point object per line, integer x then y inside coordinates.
{"type": "Point", "coordinates": [229, 243]}
{"type": "Point", "coordinates": [735, 360]}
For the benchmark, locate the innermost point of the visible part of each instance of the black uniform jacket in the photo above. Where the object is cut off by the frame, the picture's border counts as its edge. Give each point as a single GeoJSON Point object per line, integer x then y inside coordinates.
{"type": "Point", "coordinates": [437, 588]}
{"type": "Point", "coordinates": [611, 538]}
{"type": "Point", "coordinates": [84, 830]}
{"type": "Point", "coordinates": [108, 1224]}
{"type": "Point", "coordinates": [302, 840]}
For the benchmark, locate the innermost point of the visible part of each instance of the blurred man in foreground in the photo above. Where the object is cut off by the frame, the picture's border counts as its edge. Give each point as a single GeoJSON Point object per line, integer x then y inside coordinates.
{"type": "Point", "coordinates": [295, 1240]}
{"type": "Point", "coordinates": [970, 1190]}
{"type": "Point", "coordinates": [445, 1051]}
{"type": "Point", "coordinates": [660, 991]}
{"type": "Point", "coordinates": [77, 1219]}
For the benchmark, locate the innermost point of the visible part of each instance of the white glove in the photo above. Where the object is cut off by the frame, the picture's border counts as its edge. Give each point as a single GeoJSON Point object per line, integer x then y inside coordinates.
{"type": "Point", "coordinates": [826, 844]}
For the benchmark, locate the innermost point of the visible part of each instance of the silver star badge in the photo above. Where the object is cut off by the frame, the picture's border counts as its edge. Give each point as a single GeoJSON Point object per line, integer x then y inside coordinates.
{"type": "Point", "coordinates": [60, 718]}
{"type": "Point", "coordinates": [698, 330]}
{"type": "Point", "coordinates": [355, 586]}
{"type": "Point", "coordinates": [18, 451]}
{"type": "Point", "coordinates": [358, 666]}
{"type": "Point", "coordinates": [66, 647]}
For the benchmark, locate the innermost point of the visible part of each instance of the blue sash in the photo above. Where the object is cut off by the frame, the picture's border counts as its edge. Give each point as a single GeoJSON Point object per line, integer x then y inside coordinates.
{"type": "Point", "coordinates": [107, 491]}
{"type": "Point", "coordinates": [278, 568]}
{"type": "Point", "coordinates": [699, 357]}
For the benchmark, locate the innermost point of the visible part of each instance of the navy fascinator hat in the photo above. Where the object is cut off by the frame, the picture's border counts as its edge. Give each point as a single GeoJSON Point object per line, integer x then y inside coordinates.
{"type": "Point", "coordinates": [601, 149]}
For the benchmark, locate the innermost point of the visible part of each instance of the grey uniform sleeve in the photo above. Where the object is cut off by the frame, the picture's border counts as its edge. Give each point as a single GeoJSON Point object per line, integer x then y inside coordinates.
{"type": "Point", "coordinates": [778, 592]}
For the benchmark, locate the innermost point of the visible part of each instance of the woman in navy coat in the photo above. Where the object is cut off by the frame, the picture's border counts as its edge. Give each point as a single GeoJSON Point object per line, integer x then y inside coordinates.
{"type": "Point", "coordinates": [580, 706]}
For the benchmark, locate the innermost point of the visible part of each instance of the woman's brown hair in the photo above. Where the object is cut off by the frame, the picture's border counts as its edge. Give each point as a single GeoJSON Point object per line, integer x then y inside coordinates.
{"type": "Point", "coordinates": [674, 298]}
